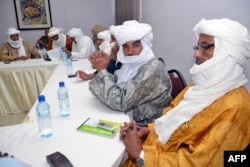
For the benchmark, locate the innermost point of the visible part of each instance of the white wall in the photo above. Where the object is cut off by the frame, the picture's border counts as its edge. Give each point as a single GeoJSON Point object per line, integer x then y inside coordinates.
{"type": "Point", "coordinates": [172, 22]}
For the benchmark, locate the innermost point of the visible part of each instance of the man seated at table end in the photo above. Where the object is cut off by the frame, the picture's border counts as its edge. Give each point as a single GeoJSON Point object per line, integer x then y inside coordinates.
{"type": "Point", "coordinates": [16, 48]}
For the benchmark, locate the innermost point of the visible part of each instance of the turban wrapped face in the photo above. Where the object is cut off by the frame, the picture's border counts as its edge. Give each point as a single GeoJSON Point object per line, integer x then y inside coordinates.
{"type": "Point", "coordinates": [75, 33]}
{"type": "Point", "coordinates": [133, 30]}
{"type": "Point", "coordinates": [12, 31]}
{"type": "Point", "coordinates": [233, 36]}
{"type": "Point", "coordinates": [54, 31]}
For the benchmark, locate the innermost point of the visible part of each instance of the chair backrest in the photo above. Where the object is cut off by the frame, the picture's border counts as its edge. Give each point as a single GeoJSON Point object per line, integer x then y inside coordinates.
{"type": "Point", "coordinates": [178, 82]}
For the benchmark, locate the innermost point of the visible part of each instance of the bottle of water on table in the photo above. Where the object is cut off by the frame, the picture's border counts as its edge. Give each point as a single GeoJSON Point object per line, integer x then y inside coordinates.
{"type": "Point", "coordinates": [63, 56]}
{"type": "Point", "coordinates": [63, 100]}
{"type": "Point", "coordinates": [43, 117]}
{"type": "Point", "coordinates": [44, 52]}
{"type": "Point", "coordinates": [69, 66]}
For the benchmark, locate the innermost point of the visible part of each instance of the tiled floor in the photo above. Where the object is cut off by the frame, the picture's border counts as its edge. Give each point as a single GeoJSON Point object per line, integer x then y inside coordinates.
{"type": "Point", "coordinates": [12, 119]}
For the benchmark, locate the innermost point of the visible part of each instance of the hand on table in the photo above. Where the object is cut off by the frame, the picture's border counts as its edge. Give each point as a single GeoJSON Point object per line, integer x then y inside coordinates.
{"type": "Point", "coordinates": [131, 137]}
{"type": "Point", "coordinates": [22, 58]}
{"type": "Point", "coordinates": [84, 76]}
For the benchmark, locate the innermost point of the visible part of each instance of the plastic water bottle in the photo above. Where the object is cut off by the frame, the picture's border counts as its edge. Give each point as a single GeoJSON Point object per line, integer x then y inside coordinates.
{"type": "Point", "coordinates": [44, 52]}
{"type": "Point", "coordinates": [63, 100]}
{"type": "Point", "coordinates": [69, 66]}
{"type": "Point", "coordinates": [37, 46]}
{"type": "Point", "coordinates": [43, 117]}
{"type": "Point", "coordinates": [63, 56]}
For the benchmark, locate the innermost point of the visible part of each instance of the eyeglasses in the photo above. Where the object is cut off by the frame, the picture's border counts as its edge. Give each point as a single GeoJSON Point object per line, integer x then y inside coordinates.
{"type": "Point", "coordinates": [203, 46]}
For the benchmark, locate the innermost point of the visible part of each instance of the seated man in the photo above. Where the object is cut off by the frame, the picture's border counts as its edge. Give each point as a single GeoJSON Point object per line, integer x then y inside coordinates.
{"type": "Point", "coordinates": [208, 117]}
{"type": "Point", "coordinates": [110, 48]}
{"type": "Point", "coordinates": [42, 42]}
{"type": "Point", "coordinates": [95, 30]}
{"type": "Point", "coordinates": [16, 48]}
{"type": "Point", "coordinates": [82, 46]}
{"type": "Point", "coordinates": [103, 41]}
{"type": "Point", "coordinates": [141, 88]}
{"type": "Point", "coordinates": [58, 40]}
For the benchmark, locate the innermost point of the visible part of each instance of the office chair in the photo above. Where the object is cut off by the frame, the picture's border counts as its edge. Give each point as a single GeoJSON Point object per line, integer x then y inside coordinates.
{"type": "Point", "coordinates": [178, 82]}
{"type": "Point", "coordinates": [162, 60]}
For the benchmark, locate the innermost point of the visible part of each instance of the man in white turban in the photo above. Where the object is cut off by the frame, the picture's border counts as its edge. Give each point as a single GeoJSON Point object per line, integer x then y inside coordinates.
{"type": "Point", "coordinates": [57, 39]}
{"type": "Point", "coordinates": [211, 115]}
{"type": "Point", "coordinates": [16, 48]}
{"type": "Point", "coordinates": [110, 48]}
{"type": "Point", "coordinates": [82, 46]}
{"type": "Point", "coordinates": [141, 88]}
{"type": "Point", "coordinates": [103, 41]}
{"type": "Point", "coordinates": [95, 30]}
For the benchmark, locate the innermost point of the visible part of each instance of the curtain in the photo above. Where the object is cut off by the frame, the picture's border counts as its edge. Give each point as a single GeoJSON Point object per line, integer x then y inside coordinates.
{"type": "Point", "coordinates": [127, 10]}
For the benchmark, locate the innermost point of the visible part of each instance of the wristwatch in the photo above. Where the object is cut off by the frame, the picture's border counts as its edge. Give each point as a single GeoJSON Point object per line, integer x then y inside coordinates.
{"type": "Point", "coordinates": [140, 160]}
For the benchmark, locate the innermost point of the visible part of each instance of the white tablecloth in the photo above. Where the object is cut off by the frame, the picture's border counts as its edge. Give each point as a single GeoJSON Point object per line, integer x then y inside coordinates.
{"type": "Point", "coordinates": [21, 82]}
{"type": "Point", "coordinates": [82, 149]}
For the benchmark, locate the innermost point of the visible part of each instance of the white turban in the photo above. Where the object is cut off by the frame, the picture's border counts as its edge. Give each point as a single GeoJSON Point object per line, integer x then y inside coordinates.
{"type": "Point", "coordinates": [15, 44]}
{"type": "Point", "coordinates": [12, 31]}
{"type": "Point", "coordinates": [54, 31]}
{"type": "Point", "coordinates": [132, 30]}
{"type": "Point", "coordinates": [76, 33]}
{"type": "Point", "coordinates": [233, 36]}
{"type": "Point", "coordinates": [113, 29]}
{"type": "Point", "coordinates": [105, 35]}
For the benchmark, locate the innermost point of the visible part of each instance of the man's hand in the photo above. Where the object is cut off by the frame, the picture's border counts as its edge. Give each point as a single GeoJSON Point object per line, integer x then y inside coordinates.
{"type": "Point", "coordinates": [22, 58]}
{"type": "Point", "coordinates": [129, 136]}
{"type": "Point", "coordinates": [84, 76]}
{"type": "Point", "coordinates": [99, 60]}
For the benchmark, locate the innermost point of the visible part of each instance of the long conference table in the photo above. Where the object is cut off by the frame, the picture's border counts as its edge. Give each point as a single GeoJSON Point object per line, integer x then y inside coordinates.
{"type": "Point", "coordinates": [82, 149]}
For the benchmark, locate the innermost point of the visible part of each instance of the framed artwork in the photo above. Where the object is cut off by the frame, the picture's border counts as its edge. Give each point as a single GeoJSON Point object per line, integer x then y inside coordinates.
{"type": "Point", "coordinates": [33, 14]}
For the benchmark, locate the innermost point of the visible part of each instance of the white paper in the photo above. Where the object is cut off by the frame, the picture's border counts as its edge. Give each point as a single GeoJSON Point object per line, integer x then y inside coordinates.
{"type": "Point", "coordinates": [54, 54]}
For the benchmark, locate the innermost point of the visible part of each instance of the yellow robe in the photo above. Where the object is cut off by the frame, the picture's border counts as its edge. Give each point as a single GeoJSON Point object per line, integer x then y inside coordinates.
{"type": "Point", "coordinates": [224, 125]}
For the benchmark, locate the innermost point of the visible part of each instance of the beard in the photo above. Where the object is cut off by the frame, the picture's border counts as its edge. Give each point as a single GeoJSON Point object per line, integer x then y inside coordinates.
{"type": "Point", "coordinates": [198, 61]}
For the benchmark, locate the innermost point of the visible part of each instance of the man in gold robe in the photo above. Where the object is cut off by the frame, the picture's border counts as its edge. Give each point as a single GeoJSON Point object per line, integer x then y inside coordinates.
{"type": "Point", "coordinates": [207, 118]}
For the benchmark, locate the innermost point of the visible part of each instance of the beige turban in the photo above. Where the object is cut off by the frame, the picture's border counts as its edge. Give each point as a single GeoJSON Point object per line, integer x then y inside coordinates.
{"type": "Point", "coordinates": [105, 35]}
{"type": "Point", "coordinates": [233, 36]}
{"type": "Point", "coordinates": [54, 31]}
{"type": "Point", "coordinates": [133, 30]}
{"type": "Point", "coordinates": [12, 31]}
{"type": "Point", "coordinates": [97, 28]}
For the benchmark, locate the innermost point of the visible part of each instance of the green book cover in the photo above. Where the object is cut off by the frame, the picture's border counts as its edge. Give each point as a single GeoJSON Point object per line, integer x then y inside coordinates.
{"type": "Point", "coordinates": [90, 125]}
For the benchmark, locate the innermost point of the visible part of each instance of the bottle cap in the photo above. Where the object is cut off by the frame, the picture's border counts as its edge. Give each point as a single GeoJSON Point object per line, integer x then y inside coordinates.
{"type": "Point", "coordinates": [41, 98]}
{"type": "Point", "coordinates": [68, 57]}
{"type": "Point", "coordinates": [61, 84]}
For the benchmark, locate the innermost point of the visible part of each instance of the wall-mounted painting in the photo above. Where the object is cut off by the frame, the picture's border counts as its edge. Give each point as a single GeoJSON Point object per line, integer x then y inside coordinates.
{"type": "Point", "coordinates": [33, 14]}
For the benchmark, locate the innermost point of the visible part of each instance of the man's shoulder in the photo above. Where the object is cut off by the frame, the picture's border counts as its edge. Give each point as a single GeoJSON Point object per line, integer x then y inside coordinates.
{"type": "Point", "coordinates": [86, 38]}
{"type": "Point", "coordinates": [154, 64]}
{"type": "Point", "coordinates": [27, 43]}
